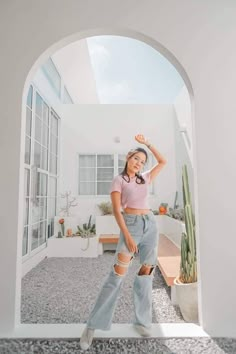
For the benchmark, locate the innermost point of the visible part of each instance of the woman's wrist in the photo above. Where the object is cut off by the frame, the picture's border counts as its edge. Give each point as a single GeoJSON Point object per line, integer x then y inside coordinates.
{"type": "Point", "coordinates": [149, 145]}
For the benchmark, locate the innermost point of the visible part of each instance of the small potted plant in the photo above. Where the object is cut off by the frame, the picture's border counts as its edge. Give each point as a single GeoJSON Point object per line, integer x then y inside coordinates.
{"type": "Point", "coordinates": [87, 231]}
{"type": "Point", "coordinates": [186, 282]}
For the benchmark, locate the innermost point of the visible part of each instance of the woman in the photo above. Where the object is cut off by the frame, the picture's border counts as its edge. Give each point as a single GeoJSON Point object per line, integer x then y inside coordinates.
{"type": "Point", "coordinates": [138, 234]}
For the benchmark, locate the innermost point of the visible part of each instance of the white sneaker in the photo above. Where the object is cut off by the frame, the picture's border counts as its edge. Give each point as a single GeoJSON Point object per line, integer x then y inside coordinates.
{"type": "Point", "coordinates": [86, 338]}
{"type": "Point", "coordinates": [143, 331]}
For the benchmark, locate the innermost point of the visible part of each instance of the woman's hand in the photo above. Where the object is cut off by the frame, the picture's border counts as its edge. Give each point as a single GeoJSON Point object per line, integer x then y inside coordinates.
{"type": "Point", "coordinates": [131, 245]}
{"type": "Point", "coordinates": [141, 139]}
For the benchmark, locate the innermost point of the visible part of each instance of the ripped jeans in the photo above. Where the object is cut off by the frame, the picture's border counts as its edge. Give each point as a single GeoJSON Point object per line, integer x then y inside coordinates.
{"type": "Point", "coordinates": [143, 229]}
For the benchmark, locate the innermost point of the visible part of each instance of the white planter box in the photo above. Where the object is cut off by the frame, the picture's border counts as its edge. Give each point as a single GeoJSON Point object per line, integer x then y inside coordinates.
{"type": "Point", "coordinates": [106, 225]}
{"type": "Point", "coordinates": [172, 228]}
{"type": "Point", "coordinates": [73, 247]}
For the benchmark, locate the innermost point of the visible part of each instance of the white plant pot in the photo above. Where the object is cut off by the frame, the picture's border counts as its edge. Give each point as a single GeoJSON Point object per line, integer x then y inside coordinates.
{"type": "Point", "coordinates": [187, 299]}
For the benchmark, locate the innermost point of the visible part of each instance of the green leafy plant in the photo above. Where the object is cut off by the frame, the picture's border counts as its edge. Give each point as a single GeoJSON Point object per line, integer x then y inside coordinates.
{"type": "Point", "coordinates": [105, 208]}
{"type": "Point", "coordinates": [188, 265]}
{"type": "Point", "coordinates": [87, 229]}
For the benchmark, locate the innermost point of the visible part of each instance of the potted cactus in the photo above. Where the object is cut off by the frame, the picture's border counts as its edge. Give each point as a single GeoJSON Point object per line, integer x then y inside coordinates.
{"type": "Point", "coordinates": [186, 282]}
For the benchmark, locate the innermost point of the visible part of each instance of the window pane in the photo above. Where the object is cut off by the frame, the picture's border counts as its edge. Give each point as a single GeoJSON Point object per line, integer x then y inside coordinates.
{"type": "Point", "coordinates": [29, 97]}
{"type": "Point", "coordinates": [43, 208]}
{"type": "Point", "coordinates": [120, 170]}
{"type": "Point", "coordinates": [105, 174]}
{"type": "Point", "coordinates": [27, 150]}
{"type": "Point", "coordinates": [53, 164]}
{"type": "Point", "coordinates": [45, 113]}
{"type": "Point", "coordinates": [37, 154]}
{"type": "Point", "coordinates": [35, 234]}
{"type": "Point", "coordinates": [53, 144]}
{"type": "Point", "coordinates": [38, 127]}
{"type": "Point", "coordinates": [35, 211]}
{"type": "Point", "coordinates": [54, 125]}
{"type": "Point", "coordinates": [105, 160]}
{"type": "Point", "coordinates": [51, 207]}
{"type": "Point", "coordinates": [45, 136]}
{"type": "Point", "coordinates": [28, 121]}
{"type": "Point", "coordinates": [26, 212]}
{"type": "Point", "coordinates": [103, 188]}
{"type": "Point", "coordinates": [50, 227]}
{"type": "Point", "coordinates": [25, 241]}
{"type": "Point", "coordinates": [87, 160]}
{"type": "Point", "coordinates": [42, 233]}
{"type": "Point", "coordinates": [52, 186]}
{"type": "Point", "coordinates": [39, 105]}
{"type": "Point", "coordinates": [121, 160]}
{"type": "Point", "coordinates": [87, 188]}
{"type": "Point", "coordinates": [26, 186]}
{"type": "Point", "coordinates": [87, 174]}
{"type": "Point", "coordinates": [43, 184]}
{"type": "Point", "coordinates": [44, 160]}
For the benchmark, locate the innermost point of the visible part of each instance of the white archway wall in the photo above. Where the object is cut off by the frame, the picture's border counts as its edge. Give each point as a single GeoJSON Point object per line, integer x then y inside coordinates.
{"type": "Point", "coordinates": [200, 35]}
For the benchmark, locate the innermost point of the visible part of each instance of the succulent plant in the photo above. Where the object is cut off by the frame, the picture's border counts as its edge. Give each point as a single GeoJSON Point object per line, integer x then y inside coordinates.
{"type": "Point", "coordinates": [87, 230]}
{"type": "Point", "coordinates": [188, 265]}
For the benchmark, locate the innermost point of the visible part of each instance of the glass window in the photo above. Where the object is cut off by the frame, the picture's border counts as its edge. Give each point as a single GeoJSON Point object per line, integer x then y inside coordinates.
{"type": "Point", "coordinates": [27, 178]}
{"type": "Point", "coordinates": [25, 241]}
{"type": "Point", "coordinates": [38, 129]}
{"type": "Point", "coordinates": [35, 235]}
{"type": "Point", "coordinates": [87, 188]}
{"type": "Point", "coordinates": [105, 160]}
{"type": "Point", "coordinates": [28, 121]}
{"type": "Point", "coordinates": [37, 154]}
{"type": "Point", "coordinates": [39, 106]}
{"type": "Point", "coordinates": [44, 160]}
{"type": "Point", "coordinates": [29, 97]}
{"type": "Point", "coordinates": [45, 114]}
{"type": "Point", "coordinates": [45, 136]}
{"type": "Point", "coordinates": [53, 164]}
{"type": "Point", "coordinates": [27, 150]}
{"type": "Point", "coordinates": [54, 125]}
{"type": "Point", "coordinates": [87, 174]}
{"type": "Point", "coordinates": [105, 174]}
{"type": "Point", "coordinates": [87, 161]}
{"type": "Point", "coordinates": [53, 144]}
{"type": "Point", "coordinates": [42, 233]}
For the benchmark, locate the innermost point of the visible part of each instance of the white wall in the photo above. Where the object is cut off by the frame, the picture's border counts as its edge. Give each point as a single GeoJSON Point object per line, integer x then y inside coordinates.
{"type": "Point", "coordinates": [198, 37]}
{"type": "Point", "coordinates": [92, 129]}
{"type": "Point", "coordinates": [73, 62]}
{"type": "Point", "coordinates": [182, 106]}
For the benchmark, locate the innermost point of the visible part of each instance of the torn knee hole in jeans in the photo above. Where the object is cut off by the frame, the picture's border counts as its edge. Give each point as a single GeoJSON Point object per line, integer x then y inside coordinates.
{"type": "Point", "coordinates": [146, 269]}
{"type": "Point", "coordinates": [123, 262]}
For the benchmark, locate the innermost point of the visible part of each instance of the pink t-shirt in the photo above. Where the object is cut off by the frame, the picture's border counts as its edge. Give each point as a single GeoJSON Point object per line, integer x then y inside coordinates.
{"type": "Point", "coordinates": [133, 195]}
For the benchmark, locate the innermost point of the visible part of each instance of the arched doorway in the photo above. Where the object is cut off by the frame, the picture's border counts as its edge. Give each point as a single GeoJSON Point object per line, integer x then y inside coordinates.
{"type": "Point", "coordinates": [156, 46]}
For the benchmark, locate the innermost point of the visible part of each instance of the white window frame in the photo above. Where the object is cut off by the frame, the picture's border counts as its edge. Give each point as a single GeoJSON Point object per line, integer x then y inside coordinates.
{"type": "Point", "coordinates": [116, 172]}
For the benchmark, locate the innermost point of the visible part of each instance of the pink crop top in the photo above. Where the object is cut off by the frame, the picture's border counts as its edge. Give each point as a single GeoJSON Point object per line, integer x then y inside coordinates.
{"type": "Point", "coordinates": [133, 195]}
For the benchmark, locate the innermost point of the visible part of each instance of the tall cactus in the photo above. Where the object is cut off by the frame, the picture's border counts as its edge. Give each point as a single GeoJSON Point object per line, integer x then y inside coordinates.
{"type": "Point", "coordinates": [188, 265]}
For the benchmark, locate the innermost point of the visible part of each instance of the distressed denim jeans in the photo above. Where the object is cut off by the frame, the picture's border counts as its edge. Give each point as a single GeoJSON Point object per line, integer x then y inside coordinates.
{"type": "Point", "coordinates": [143, 229]}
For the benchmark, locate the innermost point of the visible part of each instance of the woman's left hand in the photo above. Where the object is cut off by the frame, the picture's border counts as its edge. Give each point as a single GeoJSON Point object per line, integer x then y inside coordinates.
{"type": "Point", "coordinates": [141, 139]}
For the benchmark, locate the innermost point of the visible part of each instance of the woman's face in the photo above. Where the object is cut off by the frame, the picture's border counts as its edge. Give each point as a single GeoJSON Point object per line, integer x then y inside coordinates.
{"type": "Point", "coordinates": [136, 162]}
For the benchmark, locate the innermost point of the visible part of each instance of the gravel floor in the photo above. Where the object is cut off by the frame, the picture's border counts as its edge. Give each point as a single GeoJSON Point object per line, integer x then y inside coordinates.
{"type": "Point", "coordinates": [121, 346]}
{"type": "Point", "coordinates": [63, 290]}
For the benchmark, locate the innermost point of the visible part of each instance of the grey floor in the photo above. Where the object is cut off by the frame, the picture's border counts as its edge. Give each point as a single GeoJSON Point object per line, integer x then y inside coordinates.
{"type": "Point", "coordinates": [63, 290]}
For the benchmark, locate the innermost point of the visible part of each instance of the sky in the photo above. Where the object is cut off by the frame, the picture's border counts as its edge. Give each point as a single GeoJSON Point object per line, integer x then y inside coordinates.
{"type": "Point", "coordinates": [128, 71]}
